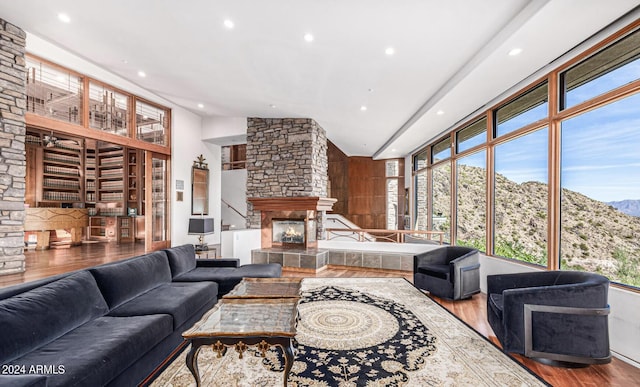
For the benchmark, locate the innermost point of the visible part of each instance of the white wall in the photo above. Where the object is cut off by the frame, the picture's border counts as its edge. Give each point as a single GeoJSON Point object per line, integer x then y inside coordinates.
{"type": "Point", "coordinates": [239, 243]}
{"type": "Point", "coordinates": [624, 319]}
{"type": "Point", "coordinates": [185, 149]}
{"type": "Point", "coordinates": [234, 191]}
{"type": "Point", "coordinates": [224, 130]}
{"type": "Point", "coordinates": [186, 138]}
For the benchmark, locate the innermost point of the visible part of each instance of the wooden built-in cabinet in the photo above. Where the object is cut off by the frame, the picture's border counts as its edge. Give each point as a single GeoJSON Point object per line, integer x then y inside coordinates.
{"type": "Point", "coordinates": [54, 171]}
{"type": "Point", "coordinates": [105, 178]}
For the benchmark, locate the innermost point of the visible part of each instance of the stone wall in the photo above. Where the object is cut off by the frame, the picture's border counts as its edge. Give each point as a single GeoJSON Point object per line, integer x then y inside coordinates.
{"type": "Point", "coordinates": [286, 157]}
{"type": "Point", "coordinates": [12, 148]}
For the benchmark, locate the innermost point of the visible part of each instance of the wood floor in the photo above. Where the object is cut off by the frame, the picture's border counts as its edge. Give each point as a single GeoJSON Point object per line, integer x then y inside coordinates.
{"type": "Point", "coordinates": [46, 263]}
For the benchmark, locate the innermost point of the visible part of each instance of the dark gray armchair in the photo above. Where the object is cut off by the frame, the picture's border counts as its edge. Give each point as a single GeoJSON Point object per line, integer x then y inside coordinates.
{"type": "Point", "coordinates": [555, 317]}
{"type": "Point", "coordinates": [451, 272]}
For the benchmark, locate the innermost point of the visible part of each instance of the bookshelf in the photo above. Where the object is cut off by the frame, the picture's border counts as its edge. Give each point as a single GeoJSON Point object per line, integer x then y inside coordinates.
{"type": "Point", "coordinates": [59, 171]}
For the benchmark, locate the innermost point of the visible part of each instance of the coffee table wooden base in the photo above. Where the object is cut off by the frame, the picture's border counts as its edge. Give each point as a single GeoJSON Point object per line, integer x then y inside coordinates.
{"type": "Point", "coordinates": [240, 344]}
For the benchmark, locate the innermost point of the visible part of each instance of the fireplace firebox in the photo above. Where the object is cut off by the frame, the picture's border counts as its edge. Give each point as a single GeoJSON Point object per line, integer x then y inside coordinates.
{"type": "Point", "coordinates": [292, 232]}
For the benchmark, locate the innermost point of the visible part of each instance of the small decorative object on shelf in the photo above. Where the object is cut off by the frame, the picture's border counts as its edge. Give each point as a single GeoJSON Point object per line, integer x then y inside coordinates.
{"type": "Point", "coordinates": [200, 164]}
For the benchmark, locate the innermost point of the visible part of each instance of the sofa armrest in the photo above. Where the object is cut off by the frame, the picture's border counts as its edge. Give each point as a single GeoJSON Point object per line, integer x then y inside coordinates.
{"type": "Point", "coordinates": [220, 262]}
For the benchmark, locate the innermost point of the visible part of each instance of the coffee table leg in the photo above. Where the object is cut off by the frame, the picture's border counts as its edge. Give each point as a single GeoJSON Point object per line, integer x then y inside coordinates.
{"type": "Point", "coordinates": [287, 350]}
{"type": "Point", "coordinates": [192, 362]}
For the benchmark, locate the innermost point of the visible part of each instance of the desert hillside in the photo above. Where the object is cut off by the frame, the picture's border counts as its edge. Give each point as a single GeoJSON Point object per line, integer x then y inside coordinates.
{"type": "Point", "coordinates": [595, 235]}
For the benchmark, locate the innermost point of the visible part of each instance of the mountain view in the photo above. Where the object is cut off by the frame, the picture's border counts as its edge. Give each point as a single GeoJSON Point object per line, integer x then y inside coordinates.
{"type": "Point", "coordinates": [595, 236]}
{"type": "Point", "coordinates": [629, 207]}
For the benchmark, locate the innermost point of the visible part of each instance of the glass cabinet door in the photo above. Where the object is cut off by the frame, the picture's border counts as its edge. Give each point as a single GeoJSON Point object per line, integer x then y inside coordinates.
{"type": "Point", "coordinates": [157, 208]}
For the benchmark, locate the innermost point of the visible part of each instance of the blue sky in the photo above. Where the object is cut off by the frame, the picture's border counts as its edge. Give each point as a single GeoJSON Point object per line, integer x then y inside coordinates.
{"type": "Point", "coordinates": [601, 152]}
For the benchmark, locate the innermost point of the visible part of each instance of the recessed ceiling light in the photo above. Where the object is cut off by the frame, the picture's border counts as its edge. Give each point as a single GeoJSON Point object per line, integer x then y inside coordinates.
{"type": "Point", "coordinates": [125, 61]}
{"type": "Point", "coordinates": [201, 106]}
{"type": "Point", "coordinates": [142, 74]}
{"type": "Point", "coordinates": [363, 108]}
{"type": "Point", "coordinates": [389, 51]}
{"type": "Point", "coordinates": [515, 51]}
{"type": "Point", "coordinates": [370, 90]}
{"type": "Point", "coordinates": [272, 106]}
{"type": "Point", "coordinates": [439, 112]}
{"type": "Point", "coordinates": [308, 37]}
{"type": "Point", "coordinates": [63, 17]}
{"type": "Point", "coordinates": [228, 23]}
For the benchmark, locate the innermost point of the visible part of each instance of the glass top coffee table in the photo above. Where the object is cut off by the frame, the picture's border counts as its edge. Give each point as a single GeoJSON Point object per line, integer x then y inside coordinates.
{"type": "Point", "coordinates": [266, 288]}
{"type": "Point", "coordinates": [241, 322]}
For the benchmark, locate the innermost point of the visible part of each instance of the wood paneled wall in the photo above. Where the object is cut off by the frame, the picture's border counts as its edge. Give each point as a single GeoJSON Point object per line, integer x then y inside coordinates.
{"type": "Point", "coordinates": [338, 172]}
{"type": "Point", "coordinates": [359, 184]}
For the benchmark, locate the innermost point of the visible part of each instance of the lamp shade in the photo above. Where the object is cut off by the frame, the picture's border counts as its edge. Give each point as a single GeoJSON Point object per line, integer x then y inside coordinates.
{"type": "Point", "coordinates": [201, 226]}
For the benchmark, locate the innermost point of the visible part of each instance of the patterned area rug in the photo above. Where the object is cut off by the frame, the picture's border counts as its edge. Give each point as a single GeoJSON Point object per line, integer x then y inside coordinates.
{"type": "Point", "coordinates": [365, 332]}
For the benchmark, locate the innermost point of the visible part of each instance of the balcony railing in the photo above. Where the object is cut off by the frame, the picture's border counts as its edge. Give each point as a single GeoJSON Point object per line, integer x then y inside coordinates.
{"type": "Point", "coordinates": [380, 235]}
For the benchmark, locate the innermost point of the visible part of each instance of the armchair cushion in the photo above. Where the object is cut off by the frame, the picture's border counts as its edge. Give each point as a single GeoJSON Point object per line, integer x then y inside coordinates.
{"type": "Point", "coordinates": [435, 270]}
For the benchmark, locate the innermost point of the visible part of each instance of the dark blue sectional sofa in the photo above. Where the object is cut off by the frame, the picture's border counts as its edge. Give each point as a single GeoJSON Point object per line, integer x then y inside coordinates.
{"type": "Point", "coordinates": [110, 325]}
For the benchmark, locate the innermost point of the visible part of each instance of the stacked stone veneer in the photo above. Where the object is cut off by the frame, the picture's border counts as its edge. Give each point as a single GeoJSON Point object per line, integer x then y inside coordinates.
{"type": "Point", "coordinates": [286, 157]}
{"type": "Point", "coordinates": [12, 149]}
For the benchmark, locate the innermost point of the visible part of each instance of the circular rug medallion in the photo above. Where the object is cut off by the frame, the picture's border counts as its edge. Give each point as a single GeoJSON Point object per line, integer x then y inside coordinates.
{"type": "Point", "coordinates": [344, 325]}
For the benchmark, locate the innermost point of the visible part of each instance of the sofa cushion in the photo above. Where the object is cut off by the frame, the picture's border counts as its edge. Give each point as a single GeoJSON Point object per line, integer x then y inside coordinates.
{"type": "Point", "coordinates": [124, 280]}
{"type": "Point", "coordinates": [435, 270]}
{"type": "Point", "coordinates": [178, 299]}
{"type": "Point", "coordinates": [34, 318]}
{"type": "Point", "coordinates": [23, 380]}
{"type": "Point", "coordinates": [181, 259]}
{"type": "Point", "coordinates": [96, 352]}
{"type": "Point", "coordinates": [228, 277]}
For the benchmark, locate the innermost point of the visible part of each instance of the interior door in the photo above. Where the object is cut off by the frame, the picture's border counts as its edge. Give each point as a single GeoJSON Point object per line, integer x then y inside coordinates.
{"type": "Point", "coordinates": [157, 201]}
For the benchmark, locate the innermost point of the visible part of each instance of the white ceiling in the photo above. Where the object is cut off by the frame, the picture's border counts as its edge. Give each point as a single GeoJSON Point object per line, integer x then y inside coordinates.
{"type": "Point", "coordinates": [449, 55]}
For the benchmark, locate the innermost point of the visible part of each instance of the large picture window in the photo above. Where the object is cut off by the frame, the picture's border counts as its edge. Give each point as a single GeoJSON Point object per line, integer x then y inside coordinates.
{"type": "Point", "coordinates": [522, 111]}
{"type": "Point", "coordinates": [471, 189]}
{"type": "Point", "coordinates": [521, 197]}
{"type": "Point", "coordinates": [473, 135]}
{"type": "Point", "coordinates": [565, 187]}
{"type": "Point", "coordinates": [421, 213]}
{"type": "Point", "coordinates": [600, 180]}
{"type": "Point", "coordinates": [608, 69]}
{"type": "Point", "coordinates": [441, 150]}
{"type": "Point", "coordinates": [441, 199]}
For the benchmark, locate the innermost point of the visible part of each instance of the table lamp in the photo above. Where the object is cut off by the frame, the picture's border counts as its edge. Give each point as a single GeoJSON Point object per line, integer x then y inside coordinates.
{"type": "Point", "coordinates": [202, 227]}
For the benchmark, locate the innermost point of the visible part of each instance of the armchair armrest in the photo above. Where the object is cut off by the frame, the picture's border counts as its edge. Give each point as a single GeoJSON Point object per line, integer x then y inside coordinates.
{"type": "Point", "coordinates": [220, 262]}
{"type": "Point", "coordinates": [469, 259]}
{"type": "Point", "coordinates": [515, 301]}
{"type": "Point", "coordinates": [529, 350]}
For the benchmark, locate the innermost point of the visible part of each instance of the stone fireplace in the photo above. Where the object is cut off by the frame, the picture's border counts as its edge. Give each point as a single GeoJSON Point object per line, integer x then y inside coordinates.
{"type": "Point", "coordinates": [290, 223]}
{"type": "Point", "coordinates": [287, 187]}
